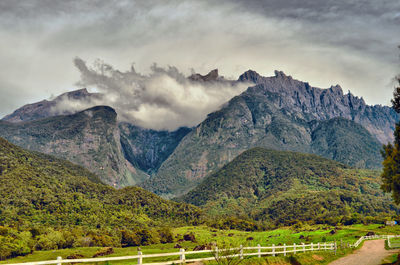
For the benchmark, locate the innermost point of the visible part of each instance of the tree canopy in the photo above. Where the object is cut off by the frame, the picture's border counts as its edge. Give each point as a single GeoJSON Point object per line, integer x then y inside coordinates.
{"type": "Point", "coordinates": [391, 155]}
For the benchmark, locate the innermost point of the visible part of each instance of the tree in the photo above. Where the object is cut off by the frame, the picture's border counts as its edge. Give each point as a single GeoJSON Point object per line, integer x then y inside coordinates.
{"type": "Point", "coordinates": [391, 155]}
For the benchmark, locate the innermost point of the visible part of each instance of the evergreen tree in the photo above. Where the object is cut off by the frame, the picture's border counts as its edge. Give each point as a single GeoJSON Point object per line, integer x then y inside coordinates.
{"type": "Point", "coordinates": [391, 155]}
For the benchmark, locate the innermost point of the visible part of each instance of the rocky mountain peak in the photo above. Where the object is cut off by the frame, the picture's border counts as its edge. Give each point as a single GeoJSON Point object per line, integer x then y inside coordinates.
{"type": "Point", "coordinates": [282, 75]}
{"type": "Point", "coordinates": [76, 94]}
{"type": "Point", "coordinates": [250, 75]}
{"type": "Point", "coordinates": [211, 76]}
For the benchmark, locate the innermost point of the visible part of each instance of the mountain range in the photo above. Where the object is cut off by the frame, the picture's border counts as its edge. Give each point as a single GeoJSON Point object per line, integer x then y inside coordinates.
{"type": "Point", "coordinates": [275, 112]}
{"type": "Point", "coordinates": [281, 113]}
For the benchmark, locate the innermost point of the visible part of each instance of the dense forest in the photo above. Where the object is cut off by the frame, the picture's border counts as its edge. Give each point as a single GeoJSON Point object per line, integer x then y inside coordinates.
{"type": "Point", "coordinates": [282, 188]}
{"type": "Point", "coordinates": [49, 203]}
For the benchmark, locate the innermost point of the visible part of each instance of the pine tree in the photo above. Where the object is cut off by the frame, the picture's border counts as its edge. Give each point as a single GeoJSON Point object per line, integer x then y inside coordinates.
{"type": "Point", "coordinates": [391, 155]}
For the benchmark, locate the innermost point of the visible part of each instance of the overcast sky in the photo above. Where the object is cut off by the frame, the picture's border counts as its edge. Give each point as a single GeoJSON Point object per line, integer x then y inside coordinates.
{"type": "Point", "coordinates": [352, 43]}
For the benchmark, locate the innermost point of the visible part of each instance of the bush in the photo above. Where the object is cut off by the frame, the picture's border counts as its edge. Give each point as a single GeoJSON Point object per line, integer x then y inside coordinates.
{"type": "Point", "coordinates": [14, 243]}
{"type": "Point", "coordinates": [129, 239]}
{"type": "Point", "coordinates": [51, 240]}
{"type": "Point", "coordinates": [166, 235]}
{"type": "Point", "coordinates": [103, 252]}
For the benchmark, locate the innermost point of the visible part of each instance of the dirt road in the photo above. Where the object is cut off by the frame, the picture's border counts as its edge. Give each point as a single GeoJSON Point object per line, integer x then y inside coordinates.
{"type": "Point", "coordinates": [371, 253]}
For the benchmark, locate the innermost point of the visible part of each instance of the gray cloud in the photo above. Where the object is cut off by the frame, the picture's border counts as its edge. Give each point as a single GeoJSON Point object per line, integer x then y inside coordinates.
{"type": "Point", "coordinates": [162, 99]}
{"type": "Point", "coordinates": [350, 42]}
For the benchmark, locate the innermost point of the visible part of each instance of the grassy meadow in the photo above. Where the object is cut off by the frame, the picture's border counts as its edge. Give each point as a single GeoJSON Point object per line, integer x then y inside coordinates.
{"type": "Point", "coordinates": [203, 235]}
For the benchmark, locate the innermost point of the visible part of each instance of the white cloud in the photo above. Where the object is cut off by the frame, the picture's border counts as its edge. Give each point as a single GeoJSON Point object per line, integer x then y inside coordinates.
{"type": "Point", "coordinates": [162, 99]}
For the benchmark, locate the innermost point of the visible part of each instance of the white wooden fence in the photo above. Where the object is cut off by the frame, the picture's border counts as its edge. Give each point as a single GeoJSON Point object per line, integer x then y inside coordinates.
{"type": "Point", "coordinates": [361, 239]}
{"type": "Point", "coordinates": [242, 252]}
{"type": "Point", "coordinates": [390, 244]}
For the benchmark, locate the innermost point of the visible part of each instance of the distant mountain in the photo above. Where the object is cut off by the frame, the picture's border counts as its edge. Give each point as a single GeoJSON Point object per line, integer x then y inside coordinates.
{"type": "Point", "coordinates": [40, 190]}
{"type": "Point", "coordinates": [49, 108]}
{"type": "Point", "coordinates": [283, 187]}
{"type": "Point", "coordinates": [90, 138]}
{"type": "Point", "coordinates": [280, 113]}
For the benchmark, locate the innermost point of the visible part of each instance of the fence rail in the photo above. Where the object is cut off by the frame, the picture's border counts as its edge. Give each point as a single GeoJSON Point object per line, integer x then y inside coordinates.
{"type": "Point", "coordinates": [361, 239]}
{"type": "Point", "coordinates": [274, 250]}
{"type": "Point", "coordinates": [390, 244]}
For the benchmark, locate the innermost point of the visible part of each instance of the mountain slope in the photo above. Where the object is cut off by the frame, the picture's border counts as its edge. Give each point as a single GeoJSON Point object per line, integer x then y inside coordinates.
{"type": "Point", "coordinates": [284, 187]}
{"type": "Point", "coordinates": [89, 138]}
{"type": "Point", "coordinates": [147, 149]}
{"type": "Point", "coordinates": [345, 141]}
{"type": "Point", "coordinates": [279, 113]}
{"type": "Point", "coordinates": [37, 189]}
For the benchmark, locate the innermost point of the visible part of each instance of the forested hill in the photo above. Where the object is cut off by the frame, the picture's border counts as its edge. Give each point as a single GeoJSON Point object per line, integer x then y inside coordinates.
{"type": "Point", "coordinates": [283, 187]}
{"type": "Point", "coordinates": [40, 190]}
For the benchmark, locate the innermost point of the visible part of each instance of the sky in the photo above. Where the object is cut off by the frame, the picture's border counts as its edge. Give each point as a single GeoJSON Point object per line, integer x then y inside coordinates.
{"type": "Point", "coordinates": [49, 47]}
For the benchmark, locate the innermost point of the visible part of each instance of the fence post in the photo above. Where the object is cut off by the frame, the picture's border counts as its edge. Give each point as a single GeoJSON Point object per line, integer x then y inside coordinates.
{"type": "Point", "coordinates": [284, 249]}
{"type": "Point", "coordinates": [312, 246]}
{"type": "Point", "coordinates": [182, 255]}
{"type": "Point", "coordinates": [59, 259]}
{"type": "Point", "coordinates": [259, 250]}
{"type": "Point", "coordinates": [273, 250]}
{"type": "Point", "coordinates": [294, 248]}
{"type": "Point", "coordinates": [335, 247]}
{"type": "Point", "coordinates": [318, 246]}
{"type": "Point", "coordinates": [241, 251]}
{"type": "Point", "coordinates": [140, 258]}
{"type": "Point", "coordinates": [304, 247]}
{"type": "Point", "coordinates": [216, 253]}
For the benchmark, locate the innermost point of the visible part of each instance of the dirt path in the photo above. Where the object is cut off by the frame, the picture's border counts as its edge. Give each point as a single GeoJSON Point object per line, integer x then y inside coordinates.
{"type": "Point", "coordinates": [371, 253]}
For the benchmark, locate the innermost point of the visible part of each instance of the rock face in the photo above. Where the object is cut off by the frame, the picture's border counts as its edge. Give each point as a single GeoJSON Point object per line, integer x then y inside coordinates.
{"type": "Point", "coordinates": [147, 149]}
{"type": "Point", "coordinates": [283, 114]}
{"type": "Point", "coordinates": [90, 138]}
{"type": "Point", "coordinates": [45, 108]}
{"type": "Point", "coordinates": [322, 104]}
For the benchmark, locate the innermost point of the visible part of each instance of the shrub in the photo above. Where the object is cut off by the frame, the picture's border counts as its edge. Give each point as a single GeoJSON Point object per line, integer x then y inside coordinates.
{"type": "Point", "coordinates": [166, 235]}
{"type": "Point", "coordinates": [51, 240]}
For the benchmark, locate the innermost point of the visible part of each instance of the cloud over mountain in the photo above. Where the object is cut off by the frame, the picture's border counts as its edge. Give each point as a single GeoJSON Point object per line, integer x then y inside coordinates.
{"type": "Point", "coordinates": [163, 99]}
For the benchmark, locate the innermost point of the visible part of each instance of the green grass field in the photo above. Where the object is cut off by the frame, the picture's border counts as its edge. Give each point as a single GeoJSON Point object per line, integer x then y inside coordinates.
{"type": "Point", "coordinates": [203, 235]}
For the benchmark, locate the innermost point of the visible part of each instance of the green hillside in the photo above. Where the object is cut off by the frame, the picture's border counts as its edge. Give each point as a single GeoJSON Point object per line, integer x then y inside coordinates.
{"type": "Point", "coordinates": [48, 203]}
{"type": "Point", "coordinates": [281, 187]}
